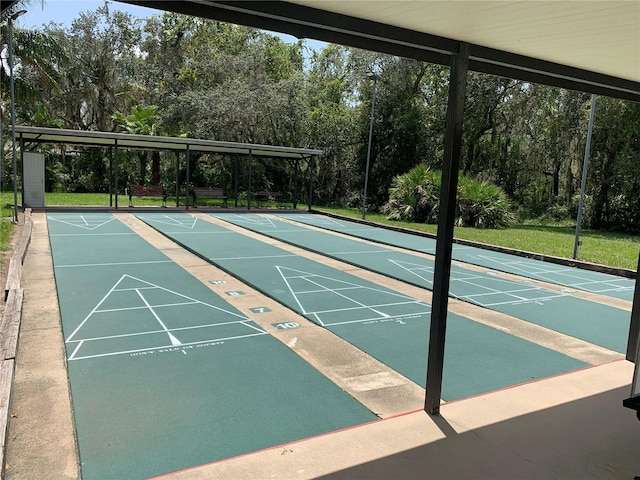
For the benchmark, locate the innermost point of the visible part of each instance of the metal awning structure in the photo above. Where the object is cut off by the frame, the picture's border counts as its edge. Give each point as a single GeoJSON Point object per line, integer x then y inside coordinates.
{"type": "Point", "coordinates": [149, 142]}
{"type": "Point", "coordinates": [585, 45]}
{"type": "Point", "coordinates": [115, 141]}
{"type": "Point", "coordinates": [590, 46]}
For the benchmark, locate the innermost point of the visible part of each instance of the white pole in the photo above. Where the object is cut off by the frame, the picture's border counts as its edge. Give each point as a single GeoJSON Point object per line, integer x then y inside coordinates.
{"type": "Point", "coordinates": [366, 173]}
{"type": "Point", "coordinates": [13, 114]}
{"type": "Point", "coordinates": [584, 175]}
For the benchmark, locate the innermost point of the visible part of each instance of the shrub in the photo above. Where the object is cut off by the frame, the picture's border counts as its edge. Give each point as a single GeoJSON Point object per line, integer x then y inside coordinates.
{"type": "Point", "coordinates": [483, 205]}
{"type": "Point", "coordinates": [415, 197]}
{"type": "Point", "coordinates": [558, 212]}
{"type": "Point", "coordinates": [587, 209]}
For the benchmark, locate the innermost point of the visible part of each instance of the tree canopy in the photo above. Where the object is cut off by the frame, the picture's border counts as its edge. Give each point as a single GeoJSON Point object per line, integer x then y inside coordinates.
{"type": "Point", "coordinates": [177, 75]}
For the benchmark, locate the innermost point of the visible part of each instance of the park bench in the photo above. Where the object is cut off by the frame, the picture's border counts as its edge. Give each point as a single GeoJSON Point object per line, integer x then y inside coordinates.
{"type": "Point", "coordinates": [269, 196]}
{"type": "Point", "coordinates": [208, 192]}
{"type": "Point", "coordinates": [147, 191]}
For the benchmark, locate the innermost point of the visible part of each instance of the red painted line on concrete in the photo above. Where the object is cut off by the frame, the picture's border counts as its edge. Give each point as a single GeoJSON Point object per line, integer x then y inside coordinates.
{"type": "Point", "coordinates": [563, 374]}
{"type": "Point", "coordinates": [399, 415]}
{"type": "Point", "coordinates": [275, 447]}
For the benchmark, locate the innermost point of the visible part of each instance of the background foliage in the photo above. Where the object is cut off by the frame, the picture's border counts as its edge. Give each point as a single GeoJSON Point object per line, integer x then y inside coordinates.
{"type": "Point", "coordinates": [177, 75]}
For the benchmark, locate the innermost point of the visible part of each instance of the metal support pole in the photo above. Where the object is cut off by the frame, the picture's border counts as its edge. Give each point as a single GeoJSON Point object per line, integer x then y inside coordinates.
{"type": "Point", "coordinates": [22, 150]}
{"type": "Point", "coordinates": [237, 180]}
{"type": "Point", "coordinates": [633, 348]}
{"type": "Point", "coordinates": [186, 183]}
{"type": "Point", "coordinates": [111, 177]}
{"type": "Point", "coordinates": [249, 182]}
{"type": "Point", "coordinates": [115, 169]}
{"type": "Point", "coordinates": [177, 179]}
{"type": "Point", "coordinates": [366, 172]}
{"type": "Point", "coordinates": [296, 170]}
{"type": "Point", "coordinates": [634, 327]}
{"type": "Point", "coordinates": [583, 183]}
{"type": "Point", "coordinates": [444, 242]}
{"type": "Point", "coordinates": [311, 167]}
{"type": "Point", "coordinates": [13, 115]}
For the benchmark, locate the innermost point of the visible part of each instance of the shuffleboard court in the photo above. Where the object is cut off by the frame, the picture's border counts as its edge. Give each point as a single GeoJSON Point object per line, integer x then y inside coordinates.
{"type": "Point", "coordinates": [164, 373]}
{"type": "Point", "coordinates": [593, 322]}
{"type": "Point", "coordinates": [594, 282]}
{"type": "Point", "coordinates": [388, 325]}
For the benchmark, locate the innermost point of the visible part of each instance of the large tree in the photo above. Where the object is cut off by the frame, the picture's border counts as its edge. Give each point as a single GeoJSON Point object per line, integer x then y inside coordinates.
{"type": "Point", "coordinates": [213, 80]}
{"type": "Point", "coordinates": [330, 124]}
{"type": "Point", "coordinates": [103, 48]}
{"type": "Point", "coordinates": [399, 133]}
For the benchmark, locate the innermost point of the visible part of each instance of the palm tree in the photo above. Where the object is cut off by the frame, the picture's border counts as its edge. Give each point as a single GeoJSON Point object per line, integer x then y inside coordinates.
{"type": "Point", "coordinates": [36, 59]}
{"type": "Point", "coordinates": [143, 120]}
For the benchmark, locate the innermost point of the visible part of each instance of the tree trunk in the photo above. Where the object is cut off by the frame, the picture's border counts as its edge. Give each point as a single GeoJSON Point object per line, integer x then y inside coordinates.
{"type": "Point", "coordinates": [556, 181]}
{"type": "Point", "coordinates": [143, 167]}
{"type": "Point", "coordinates": [155, 168]}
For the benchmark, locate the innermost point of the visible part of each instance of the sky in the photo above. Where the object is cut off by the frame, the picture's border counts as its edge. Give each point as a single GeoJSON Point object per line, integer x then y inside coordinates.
{"type": "Point", "coordinates": [64, 11]}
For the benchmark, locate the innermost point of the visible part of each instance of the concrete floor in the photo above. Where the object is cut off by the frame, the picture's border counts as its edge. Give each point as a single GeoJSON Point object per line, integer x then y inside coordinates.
{"type": "Point", "coordinates": [569, 426]}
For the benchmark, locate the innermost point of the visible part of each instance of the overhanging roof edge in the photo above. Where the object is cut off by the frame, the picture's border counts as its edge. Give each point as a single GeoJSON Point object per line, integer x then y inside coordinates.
{"type": "Point", "coordinates": [308, 22]}
{"type": "Point", "coordinates": [95, 138]}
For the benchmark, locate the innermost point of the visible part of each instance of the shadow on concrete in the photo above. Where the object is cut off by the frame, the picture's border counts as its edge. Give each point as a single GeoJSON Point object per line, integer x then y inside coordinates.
{"type": "Point", "coordinates": [594, 437]}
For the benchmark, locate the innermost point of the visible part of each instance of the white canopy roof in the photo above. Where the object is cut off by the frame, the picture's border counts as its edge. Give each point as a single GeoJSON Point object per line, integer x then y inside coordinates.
{"type": "Point", "coordinates": [599, 36]}
{"type": "Point", "coordinates": [588, 45]}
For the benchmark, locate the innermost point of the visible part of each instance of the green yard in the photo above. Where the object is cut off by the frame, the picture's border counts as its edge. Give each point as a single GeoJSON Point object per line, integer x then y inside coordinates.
{"type": "Point", "coordinates": [613, 249]}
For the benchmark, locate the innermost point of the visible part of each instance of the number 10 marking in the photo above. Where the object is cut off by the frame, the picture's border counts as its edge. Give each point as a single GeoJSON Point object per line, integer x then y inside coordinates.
{"type": "Point", "coordinates": [285, 325]}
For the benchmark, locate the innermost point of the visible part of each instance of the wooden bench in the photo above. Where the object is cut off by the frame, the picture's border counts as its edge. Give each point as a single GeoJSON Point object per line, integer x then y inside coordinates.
{"type": "Point", "coordinates": [269, 196]}
{"type": "Point", "coordinates": [147, 191]}
{"type": "Point", "coordinates": [208, 192]}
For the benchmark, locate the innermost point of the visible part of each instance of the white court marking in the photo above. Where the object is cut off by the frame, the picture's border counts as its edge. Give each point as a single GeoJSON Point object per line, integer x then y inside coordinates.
{"type": "Point", "coordinates": [514, 291]}
{"type": "Point", "coordinates": [345, 293]}
{"type": "Point", "coordinates": [140, 287]}
{"type": "Point", "coordinates": [574, 279]}
{"type": "Point", "coordinates": [91, 265]}
{"type": "Point", "coordinates": [560, 275]}
{"type": "Point", "coordinates": [182, 221]}
{"type": "Point", "coordinates": [83, 221]}
{"type": "Point", "coordinates": [250, 220]}
{"type": "Point", "coordinates": [318, 220]}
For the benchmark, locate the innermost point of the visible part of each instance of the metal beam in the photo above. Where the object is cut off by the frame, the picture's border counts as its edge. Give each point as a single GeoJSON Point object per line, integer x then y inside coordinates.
{"type": "Point", "coordinates": [634, 327]}
{"type": "Point", "coordinates": [187, 179]}
{"type": "Point", "coordinates": [311, 167]}
{"type": "Point", "coordinates": [306, 22]}
{"type": "Point", "coordinates": [296, 166]}
{"type": "Point", "coordinates": [250, 161]}
{"type": "Point", "coordinates": [583, 181]}
{"type": "Point", "coordinates": [446, 218]}
{"type": "Point", "coordinates": [116, 163]}
{"type": "Point", "coordinates": [178, 180]}
{"type": "Point", "coordinates": [236, 179]}
{"type": "Point", "coordinates": [110, 176]}
{"type": "Point", "coordinates": [152, 142]}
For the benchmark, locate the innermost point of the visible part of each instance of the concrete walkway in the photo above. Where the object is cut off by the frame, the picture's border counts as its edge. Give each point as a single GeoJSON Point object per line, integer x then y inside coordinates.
{"type": "Point", "coordinates": [570, 426]}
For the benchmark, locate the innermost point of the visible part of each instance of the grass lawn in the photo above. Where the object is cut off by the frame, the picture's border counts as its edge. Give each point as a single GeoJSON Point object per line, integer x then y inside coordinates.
{"type": "Point", "coordinates": [5, 231]}
{"type": "Point", "coordinates": [606, 248]}
{"type": "Point", "coordinates": [6, 226]}
{"type": "Point", "coordinates": [613, 249]}
{"type": "Point", "coordinates": [102, 199]}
